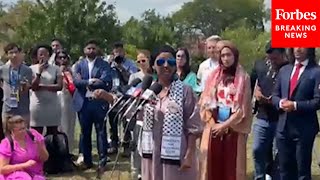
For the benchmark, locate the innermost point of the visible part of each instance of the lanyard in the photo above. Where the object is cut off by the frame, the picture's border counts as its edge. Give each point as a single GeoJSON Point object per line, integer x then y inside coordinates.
{"type": "Point", "coordinates": [14, 77]}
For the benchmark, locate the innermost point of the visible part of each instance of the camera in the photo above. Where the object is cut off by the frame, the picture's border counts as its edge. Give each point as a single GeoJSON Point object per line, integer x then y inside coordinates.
{"type": "Point", "coordinates": [118, 59]}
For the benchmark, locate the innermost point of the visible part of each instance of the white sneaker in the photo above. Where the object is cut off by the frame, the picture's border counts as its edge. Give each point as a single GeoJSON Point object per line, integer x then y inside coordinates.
{"type": "Point", "coordinates": [268, 177]}
{"type": "Point", "coordinates": [80, 159]}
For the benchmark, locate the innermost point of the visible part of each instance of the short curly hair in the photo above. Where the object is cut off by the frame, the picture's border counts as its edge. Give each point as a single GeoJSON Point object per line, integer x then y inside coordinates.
{"type": "Point", "coordinates": [35, 49]}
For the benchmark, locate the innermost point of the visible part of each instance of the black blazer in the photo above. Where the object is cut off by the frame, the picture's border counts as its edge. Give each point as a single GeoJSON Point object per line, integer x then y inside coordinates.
{"type": "Point", "coordinates": [266, 83]}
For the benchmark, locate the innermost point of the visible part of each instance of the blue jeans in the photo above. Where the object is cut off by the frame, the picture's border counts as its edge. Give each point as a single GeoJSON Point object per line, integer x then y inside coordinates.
{"type": "Point", "coordinates": [264, 133]}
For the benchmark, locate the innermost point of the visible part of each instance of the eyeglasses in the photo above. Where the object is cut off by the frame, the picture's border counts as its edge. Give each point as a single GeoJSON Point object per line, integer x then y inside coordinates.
{"type": "Point", "coordinates": [141, 61]}
{"type": "Point", "coordinates": [171, 62]}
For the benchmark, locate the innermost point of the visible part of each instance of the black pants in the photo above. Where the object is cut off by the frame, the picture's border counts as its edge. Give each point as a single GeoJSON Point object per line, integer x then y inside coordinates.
{"type": "Point", "coordinates": [114, 136]}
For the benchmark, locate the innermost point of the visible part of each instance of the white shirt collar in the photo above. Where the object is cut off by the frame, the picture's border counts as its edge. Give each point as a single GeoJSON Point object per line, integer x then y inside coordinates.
{"type": "Point", "coordinates": [212, 62]}
{"type": "Point", "coordinates": [91, 61]}
{"type": "Point", "coordinates": [304, 63]}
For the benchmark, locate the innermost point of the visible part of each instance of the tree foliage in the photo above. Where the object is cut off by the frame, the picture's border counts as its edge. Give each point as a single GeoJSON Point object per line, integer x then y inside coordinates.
{"type": "Point", "coordinates": [250, 42]}
{"type": "Point", "coordinates": [76, 21]}
{"type": "Point", "coordinates": [210, 17]}
{"type": "Point", "coordinates": [73, 21]}
{"type": "Point", "coordinates": [150, 32]}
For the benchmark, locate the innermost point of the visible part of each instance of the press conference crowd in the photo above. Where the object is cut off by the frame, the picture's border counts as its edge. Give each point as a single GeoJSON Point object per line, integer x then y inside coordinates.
{"type": "Point", "coordinates": [171, 122]}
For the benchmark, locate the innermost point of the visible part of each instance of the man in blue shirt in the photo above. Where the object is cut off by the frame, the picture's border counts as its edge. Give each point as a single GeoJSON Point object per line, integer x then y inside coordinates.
{"type": "Point", "coordinates": [122, 69]}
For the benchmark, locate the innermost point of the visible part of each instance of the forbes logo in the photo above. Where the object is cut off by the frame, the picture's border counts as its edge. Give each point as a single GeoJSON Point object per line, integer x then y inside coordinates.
{"type": "Point", "coordinates": [281, 14]}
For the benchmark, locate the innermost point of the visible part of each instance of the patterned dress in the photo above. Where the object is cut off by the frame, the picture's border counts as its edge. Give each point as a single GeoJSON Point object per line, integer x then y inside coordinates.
{"type": "Point", "coordinates": [154, 169]}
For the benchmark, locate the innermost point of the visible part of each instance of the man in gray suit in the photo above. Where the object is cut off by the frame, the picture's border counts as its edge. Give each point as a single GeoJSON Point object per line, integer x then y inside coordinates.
{"type": "Point", "coordinates": [16, 78]}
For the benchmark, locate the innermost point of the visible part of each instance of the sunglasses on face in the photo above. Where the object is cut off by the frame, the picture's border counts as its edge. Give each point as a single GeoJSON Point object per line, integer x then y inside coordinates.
{"type": "Point", "coordinates": [171, 62]}
{"type": "Point", "coordinates": [180, 55]}
{"type": "Point", "coordinates": [141, 61]}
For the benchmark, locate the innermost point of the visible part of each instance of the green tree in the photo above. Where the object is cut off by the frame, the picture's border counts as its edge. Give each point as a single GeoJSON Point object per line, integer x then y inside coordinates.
{"type": "Point", "coordinates": [131, 51]}
{"type": "Point", "coordinates": [150, 32]}
{"type": "Point", "coordinates": [250, 42]}
{"type": "Point", "coordinates": [210, 17]}
{"type": "Point", "coordinates": [74, 21]}
{"type": "Point", "coordinates": [3, 27]}
{"type": "Point", "coordinates": [13, 17]}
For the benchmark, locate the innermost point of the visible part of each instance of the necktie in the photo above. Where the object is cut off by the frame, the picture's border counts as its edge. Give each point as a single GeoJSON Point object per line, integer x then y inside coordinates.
{"type": "Point", "coordinates": [295, 78]}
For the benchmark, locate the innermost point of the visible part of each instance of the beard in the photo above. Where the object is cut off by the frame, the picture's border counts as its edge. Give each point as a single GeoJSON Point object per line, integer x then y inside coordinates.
{"type": "Point", "coordinates": [92, 55]}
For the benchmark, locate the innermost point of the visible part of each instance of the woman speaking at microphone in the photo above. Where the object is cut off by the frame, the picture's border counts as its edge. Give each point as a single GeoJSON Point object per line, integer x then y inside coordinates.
{"type": "Point", "coordinates": [171, 126]}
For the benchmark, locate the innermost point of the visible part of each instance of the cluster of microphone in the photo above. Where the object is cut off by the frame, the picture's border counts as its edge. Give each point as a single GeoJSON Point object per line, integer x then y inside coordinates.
{"type": "Point", "coordinates": [137, 94]}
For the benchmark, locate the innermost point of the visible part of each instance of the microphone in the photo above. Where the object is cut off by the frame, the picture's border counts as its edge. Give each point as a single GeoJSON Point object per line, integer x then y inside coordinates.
{"type": "Point", "coordinates": [135, 101]}
{"type": "Point", "coordinates": [128, 93]}
{"type": "Point", "coordinates": [151, 92]}
{"type": "Point", "coordinates": [146, 82]}
{"type": "Point", "coordinates": [149, 95]}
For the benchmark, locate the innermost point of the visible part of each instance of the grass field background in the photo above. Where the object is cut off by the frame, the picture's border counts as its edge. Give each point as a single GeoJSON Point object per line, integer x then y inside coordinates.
{"type": "Point", "coordinates": [123, 168]}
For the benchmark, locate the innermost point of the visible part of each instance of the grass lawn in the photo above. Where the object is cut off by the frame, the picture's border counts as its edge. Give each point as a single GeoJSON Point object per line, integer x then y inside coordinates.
{"type": "Point", "coordinates": [123, 169]}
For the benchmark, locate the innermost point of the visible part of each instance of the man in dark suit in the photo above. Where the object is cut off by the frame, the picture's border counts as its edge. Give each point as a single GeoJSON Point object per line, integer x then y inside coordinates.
{"type": "Point", "coordinates": [92, 73]}
{"type": "Point", "coordinates": [264, 128]}
{"type": "Point", "coordinates": [297, 97]}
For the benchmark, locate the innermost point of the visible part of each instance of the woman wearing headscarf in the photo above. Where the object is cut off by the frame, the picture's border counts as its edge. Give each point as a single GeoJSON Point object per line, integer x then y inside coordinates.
{"type": "Point", "coordinates": [226, 110]}
{"type": "Point", "coordinates": [171, 126]}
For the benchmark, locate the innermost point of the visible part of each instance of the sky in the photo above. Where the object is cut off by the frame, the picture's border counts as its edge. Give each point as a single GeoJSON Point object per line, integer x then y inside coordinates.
{"type": "Point", "coordinates": [127, 8]}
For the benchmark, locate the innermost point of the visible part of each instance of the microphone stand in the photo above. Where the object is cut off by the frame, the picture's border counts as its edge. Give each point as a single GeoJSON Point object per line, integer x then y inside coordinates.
{"type": "Point", "coordinates": [121, 144]}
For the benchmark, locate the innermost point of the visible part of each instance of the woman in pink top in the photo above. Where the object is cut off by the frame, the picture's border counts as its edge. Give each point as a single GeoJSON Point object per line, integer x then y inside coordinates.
{"type": "Point", "coordinates": [22, 152]}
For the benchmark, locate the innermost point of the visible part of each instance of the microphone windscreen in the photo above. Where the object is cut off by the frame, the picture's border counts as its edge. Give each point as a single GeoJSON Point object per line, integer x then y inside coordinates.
{"type": "Point", "coordinates": [156, 88]}
{"type": "Point", "coordinates": [146, 82]}
{"type": "Point", "coordinates": [135, 82]}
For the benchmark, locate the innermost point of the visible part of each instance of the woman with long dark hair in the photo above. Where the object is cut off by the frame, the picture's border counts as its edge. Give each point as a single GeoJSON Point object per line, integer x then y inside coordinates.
{"type": "Point", "coordinates": [68, 115]}
{"type": "Point", "coordinates": [226, 109]}
{"type": "Point", "coordinates": [184, 70]}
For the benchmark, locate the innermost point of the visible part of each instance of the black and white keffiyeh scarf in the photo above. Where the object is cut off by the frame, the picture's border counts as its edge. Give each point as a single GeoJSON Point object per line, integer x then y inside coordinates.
{"type": "Point", "coordinates": [172, 126]}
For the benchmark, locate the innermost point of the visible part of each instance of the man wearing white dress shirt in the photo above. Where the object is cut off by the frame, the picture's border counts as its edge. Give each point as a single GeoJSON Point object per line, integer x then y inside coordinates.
{"type": "Point", "coordinates": [297, 97]}
{"type": "Point", "coordinates": [209, 65]}
{"type": "Point", "coordinates": [92, 73]}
